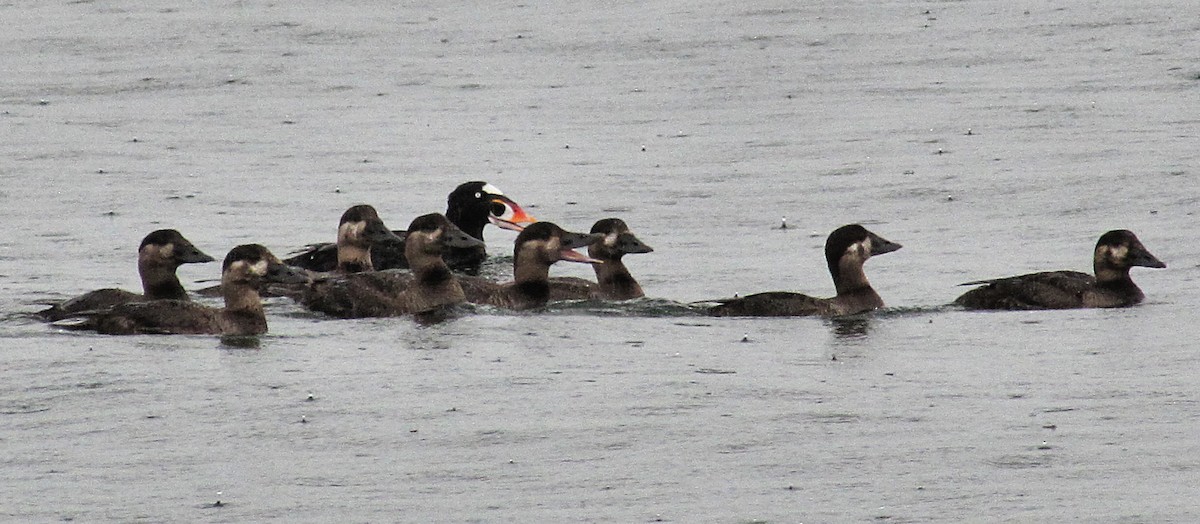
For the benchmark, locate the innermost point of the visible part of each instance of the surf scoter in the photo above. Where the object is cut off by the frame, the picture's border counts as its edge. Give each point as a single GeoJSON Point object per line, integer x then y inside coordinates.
{"type": "Point", "coordinates": [243, 271]}
{"type": "Point", "coordinates": [471, 206]}
{"type": "Point", "coordinates": [846, 250]}
{"type": "Point", "coordinates": [613, 280]}
{"type": "Point", "coordinates": [537, 247]}
{"type": "Point", "coordinates": [159, 255]}
{"type": "Point", "coordinates": [428, 287]}
{"type": "Point", "coordinates": [1116, 252]}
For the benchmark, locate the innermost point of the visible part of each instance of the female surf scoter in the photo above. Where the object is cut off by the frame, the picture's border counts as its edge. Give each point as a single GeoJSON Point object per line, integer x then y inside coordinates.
{"type": "Point", "coordinates": [1116, 252]}
{"type": "Point", "coordinates": [245, 268]}
{"type": "Point", "coordinates": [428, 288]}
{"type": "Point", "coordinates": [846, 250]}
{"type": "Point", "coordinates": [537, 247]}
{"type": "Point", "coordinates": [361, 231]}
{"type": "Point", "coordinates": [471, 206]}
{"type": "Point", "coordinates": [613, 280]}
{"type": "Point", "coordinates": [159, 255]}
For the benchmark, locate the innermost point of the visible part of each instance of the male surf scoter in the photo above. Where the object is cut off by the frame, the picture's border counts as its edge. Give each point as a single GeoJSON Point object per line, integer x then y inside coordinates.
{"type": "Point", "coordinates": [471, 206]}
{"type": "Point", "coordinates": [245, 268]}
{"type": "Point", "coordinates": [613, 280]}
{"type": "Point", "coordinates": [846, 250]}
{"type": "Point", "coordinates": [426, 289]}
{"type": "Point", "coordinates": [1116, 252]}
{"type": "Point", "coordinates": [537, 247]}
{"type": "Point", "coordinates": [159, 255]}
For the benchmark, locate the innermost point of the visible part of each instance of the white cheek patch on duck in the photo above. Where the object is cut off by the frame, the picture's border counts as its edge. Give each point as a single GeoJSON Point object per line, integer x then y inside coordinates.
{"type": "Point", "coordinates": [353, 230]}
{"type": "Point", "coordinates": [1118, 253]}
{"type": "Point", "coordinates": [860, 250]}
{"type": "Point", "coordinates": [610, 240]}
{"type": "Point", "coordinates": [167, 251]}
{"type": "Point", "coordinates": [257, 269]}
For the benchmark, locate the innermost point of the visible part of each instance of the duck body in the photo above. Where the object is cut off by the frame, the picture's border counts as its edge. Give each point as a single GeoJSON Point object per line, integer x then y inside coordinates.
{"type": "Point", "coordinates": [613, 279]}
{"type": "Point", "coordinates": [244, 269]}
{"type": "Point", "coordinates": [1115, 254]}
{"type": "Point", "coordinates": [846, 250]}
{"type": "Point", "coordinates": [537, 248]}
{"type": "Point", "coordinates": [159, 256]}
{"type": "Point", "coordinates": [471, 206]}
{"type": "Point", "coordinates": [429, 286]}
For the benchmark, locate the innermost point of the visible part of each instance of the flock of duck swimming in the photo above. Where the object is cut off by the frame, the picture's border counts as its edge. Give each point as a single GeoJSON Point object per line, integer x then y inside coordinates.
{"type": "Point", "coordinates": [431, 268]}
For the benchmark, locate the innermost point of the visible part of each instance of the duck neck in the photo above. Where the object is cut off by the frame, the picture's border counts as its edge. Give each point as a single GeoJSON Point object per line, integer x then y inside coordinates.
{"type": "Point", "coordinates": [851, 280]}
{"type": "Point", "coordinates": [615, 280]}
{"type": "Point", "coordinates": [531, 282]}
{"type": "Point", "coordinates": [353, 259]}
{"type": "Point", "coordinates": [242, 298]}
{"type": "Point", "coordinates": [1107, 275]}
{"type": "Point", "coordinates": [160, 282]}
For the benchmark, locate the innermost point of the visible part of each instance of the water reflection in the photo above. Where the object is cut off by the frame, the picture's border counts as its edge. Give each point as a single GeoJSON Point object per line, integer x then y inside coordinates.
{"type": "Point", "coordinates": [851, 328]}
{"type": "Point", "coordinates": [240, 342]}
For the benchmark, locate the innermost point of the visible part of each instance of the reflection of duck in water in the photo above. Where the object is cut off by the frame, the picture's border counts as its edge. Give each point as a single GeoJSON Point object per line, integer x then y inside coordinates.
{"type": "Point", "coordinates": [613, 280]}
{"type": "Point", "coordinates": [245, 268]}
{"type": "Point", "coordinates": [429, 287]}
{"type": "Point", "coordinates": [1116, 252]}
{"type": "Point", "coordinates": [537, 248]}
{"type": "Point", "coordinates": [846, 250]}
{"type": "Point", "coordinates": [159, 255]}
{"type": "Point", "coordinates": [471, 206]}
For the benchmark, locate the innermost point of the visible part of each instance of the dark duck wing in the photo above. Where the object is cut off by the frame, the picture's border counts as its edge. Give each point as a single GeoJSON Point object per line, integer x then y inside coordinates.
{"type": "Point", "coordinates": [1045, 290]}
{"type": "Point", "coordinates": [771, 304]}
{"type": "Point", "coordinates": [358, 295]}
{"type": "Point", "coordinates": [153, 318]}
{"type": "Point", "coordinates": [91, 301]}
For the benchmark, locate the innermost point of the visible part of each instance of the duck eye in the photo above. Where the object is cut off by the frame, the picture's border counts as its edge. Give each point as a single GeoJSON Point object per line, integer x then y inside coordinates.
{"type": "Point", "coordinates": [478, 195]}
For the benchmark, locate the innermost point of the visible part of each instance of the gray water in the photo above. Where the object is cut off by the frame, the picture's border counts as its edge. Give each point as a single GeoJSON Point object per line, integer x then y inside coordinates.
{"type": "Point", "coordinates": [989, 138]}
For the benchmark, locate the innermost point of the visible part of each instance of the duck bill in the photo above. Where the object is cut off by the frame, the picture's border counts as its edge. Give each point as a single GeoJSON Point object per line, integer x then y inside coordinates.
{"type": "Point", "coordinates": [630, 244]}
{"type": "Point", "coordinates": [454, 237]}
{"type": "Point", "coordinates": [514, 218]}
{"type": "Point", "coordinates": [880, 245]}
{"type": "Point", "coordinates": [1145, 259]}
{"type": "Point", "coordinates": [285, 274]}
{"type": "Point", "coordinates": [570, 255]}
{"type": "Point", "coordinates": [190, 255]}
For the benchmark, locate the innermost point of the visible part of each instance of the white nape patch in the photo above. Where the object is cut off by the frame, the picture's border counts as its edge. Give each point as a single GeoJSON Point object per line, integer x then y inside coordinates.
{"type": "Point", "coordinates": [493, 190]}
{"type": "Point", "coordinates": [167, 251]}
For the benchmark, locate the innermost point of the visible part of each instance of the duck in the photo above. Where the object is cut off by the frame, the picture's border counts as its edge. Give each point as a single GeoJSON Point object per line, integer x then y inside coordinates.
{"type": "Point", "coordinates": [427, 289]}
{"type": "Point", "coordinates": [536, 248]}
{"type": "Point", "coordinates": [613, 280]}
{"type": "Point", "coordinates": [1116, 252]}
{"type": "Point", "coordinates": [471, 206]}
{"type": "Point", "coordinates": [361, 231]}
{"type": "Point", "coordinates": [244, 269]}
{"type": "Point", "coordinates": [159, 256]}
{"type": "Point", "coordinates": [846, 250]}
